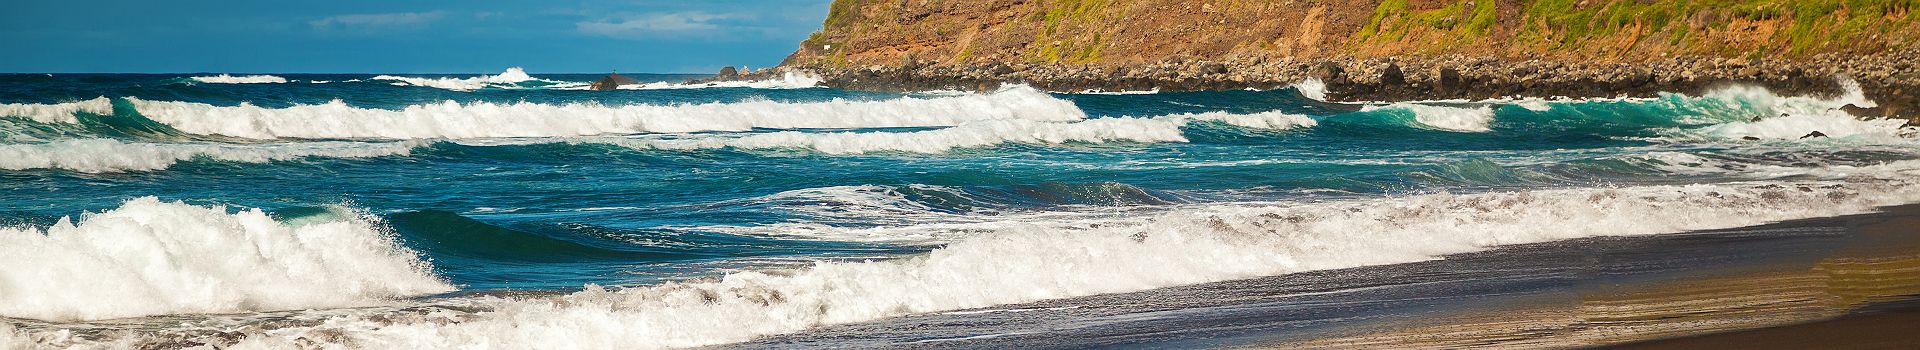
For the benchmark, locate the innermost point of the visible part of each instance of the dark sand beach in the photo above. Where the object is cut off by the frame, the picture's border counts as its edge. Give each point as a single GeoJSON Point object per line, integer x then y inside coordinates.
{"type": "Point", "coordinates": [1841, 282]}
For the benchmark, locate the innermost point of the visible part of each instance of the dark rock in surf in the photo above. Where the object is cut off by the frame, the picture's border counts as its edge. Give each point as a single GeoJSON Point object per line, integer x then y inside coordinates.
{"type": "Point", "coordinates": [612, 82]}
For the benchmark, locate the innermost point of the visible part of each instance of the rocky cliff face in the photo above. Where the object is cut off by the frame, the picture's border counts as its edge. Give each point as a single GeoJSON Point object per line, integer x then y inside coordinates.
{"type": "Point", "coordinates": [1127, 32]}
{"type": "Point", "coordinates": [1392, 49]}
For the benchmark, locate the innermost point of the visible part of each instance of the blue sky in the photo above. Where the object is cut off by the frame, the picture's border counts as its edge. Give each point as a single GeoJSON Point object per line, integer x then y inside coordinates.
{"type": "Point", "coordinates": [357, 36]}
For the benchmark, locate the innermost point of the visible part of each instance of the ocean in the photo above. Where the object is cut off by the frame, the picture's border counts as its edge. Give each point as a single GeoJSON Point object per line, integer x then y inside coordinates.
{"type": "Point", "coordinates": [524, 211]}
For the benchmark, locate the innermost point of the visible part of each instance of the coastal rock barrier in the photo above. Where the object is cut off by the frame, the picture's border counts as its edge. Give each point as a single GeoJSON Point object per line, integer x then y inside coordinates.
{"type": "Point", "coordinates": [1890, 78]}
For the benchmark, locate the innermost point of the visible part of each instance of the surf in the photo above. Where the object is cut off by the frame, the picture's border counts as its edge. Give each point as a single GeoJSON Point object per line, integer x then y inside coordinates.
{"type": "Point", "coordinates": [153, 257]}
{"type": "Point", "coordinates": [1019, 261]}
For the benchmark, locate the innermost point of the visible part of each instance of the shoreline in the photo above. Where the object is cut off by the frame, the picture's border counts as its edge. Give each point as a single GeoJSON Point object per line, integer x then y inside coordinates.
{"type": "Point", "coordinates": [1889, 78]}
{"type": "Point", "coordinates": [1890, 329]}
{"type": "Point", "coordinates": [1783, 277]}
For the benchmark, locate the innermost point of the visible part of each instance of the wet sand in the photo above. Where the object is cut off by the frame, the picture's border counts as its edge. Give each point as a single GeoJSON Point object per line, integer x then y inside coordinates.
{"type": "Point", "coordinates": [1894, 329]}
{"type": "Point", "coordinates": [1842, 282]}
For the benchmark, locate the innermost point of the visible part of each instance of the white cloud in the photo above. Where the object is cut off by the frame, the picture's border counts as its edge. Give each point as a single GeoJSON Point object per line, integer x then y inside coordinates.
{"type": "Point", "coordinates": [378, 19]}
{"type": "Point", "coordinates": [678, 24]}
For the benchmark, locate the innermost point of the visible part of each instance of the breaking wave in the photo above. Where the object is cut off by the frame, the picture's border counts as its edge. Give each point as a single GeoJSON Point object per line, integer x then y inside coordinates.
{"type": "Point", "coordinates": [108, 155]}
{"type": "Point", "coordinates": [57, 112]}
{"type": "Point", "coordinates": [983, 134]}
{"type": "Point", "coordinates": [1017, 261]}
{"type": "Point", "coordinates": [512, 78]}
{"type": "Point", "coordinates": [483, 119]}
{"type": "Point", "coordinates": [1760, 114]}
{"type": "Point", "coordinates": [150, 257]}
{"type": "Point", "coordinates": [1475, 119]}
{"type": "Point", "coordinates": [247, 79]}
{"type": "Point", "coordinates": [787, 80]}
{"type": "Point", "coordinates": [1731, 113]}
{"type": "Point", "coordinates": [1312, 89]}
{"type": "Point", "coordinates": [1796, 126]}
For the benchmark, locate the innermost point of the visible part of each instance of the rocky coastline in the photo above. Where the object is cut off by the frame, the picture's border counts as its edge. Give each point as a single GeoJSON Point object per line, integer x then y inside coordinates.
{"type": "Point", "coordinates": [1890, 78]}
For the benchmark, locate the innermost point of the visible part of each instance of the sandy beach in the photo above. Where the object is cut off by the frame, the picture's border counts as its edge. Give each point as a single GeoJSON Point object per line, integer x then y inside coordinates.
{"type": "Point", "coordinates": [1841, 282]}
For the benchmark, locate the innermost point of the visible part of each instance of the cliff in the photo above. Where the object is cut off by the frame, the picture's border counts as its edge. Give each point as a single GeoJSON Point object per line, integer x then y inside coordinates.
{"type": "Point", "coordinates": [1393, 49]}
{"type": "Point", "coordinates": [1110, 32]}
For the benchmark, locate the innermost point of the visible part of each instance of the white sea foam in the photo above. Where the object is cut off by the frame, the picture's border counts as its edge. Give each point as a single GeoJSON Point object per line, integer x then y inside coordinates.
{"type": "Point", "coordinates": [108, 155]}
{"type": "Point", "coordinates": [1312, 88]}
{"type": "Point", "coordinates": [246, 79]}
{"type": "Point", "coordinates": [1121, 92]}
{"type": "Point", "coordinates": [57, 112]}
{"type": "Point", "coordinates": [1274, 120]}
{"type": "Point", "coordinates": [1837, 125]}
{"type": "Point", "coordinates": [1743, 112]}
{"type": "Point", "coordinates": [787, 80]}
{"type": "Point", "coordinates": [1024, 261]}
{"type": "Point", "coordinates": [1756, 165]}
{"type": "Point", "coordinates": [975, 134]}
{"type": "Point", "coordinates": [1534, 104]}
{"type": "Point", "coordinates": [982, 134]}
{"type": "Point", "coordinates": [1474, 119]}
{"type": "Point", "coordinates": [482, 119]}
{"type": "Point", "coordinates": [871, 213]}
{"type": "Point", "coordinates": [150, 257]}
{"type": "Point", "coordinates": [507, 79]}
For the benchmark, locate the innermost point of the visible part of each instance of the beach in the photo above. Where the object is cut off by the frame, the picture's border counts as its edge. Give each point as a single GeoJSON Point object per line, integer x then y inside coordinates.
{"type": "Point", "coordinates": [1843, 282]}
{"type": "Point", "coordinates": [522, 208]}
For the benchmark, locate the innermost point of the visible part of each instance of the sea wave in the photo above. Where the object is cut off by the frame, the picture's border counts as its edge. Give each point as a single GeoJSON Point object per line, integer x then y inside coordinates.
{"type": "Point", "coordinates": [1778, 161]}
{"type": "Point", "coordinates": [1461, 119]}
{"type": "Point", "coordinates": [1745, 112]}
{"type": "Point", "coordinates": [108, 155]}
{"type": "Point", "coordinates": [1311, 88]}
{"type": "Point", "coordinates": [247, 79]}
{"type": "Point", "coordinates": [1730, 113]}
{"type": "Point", "coordinates": [920, 214]}
{"type": "Point", "coordinates": [1118, 92]}
{"type": "Point", "coordinates": [786, 80]}
{"type": "Point", "coordinates": [57, 112]}
{"type": "Point", "coordinates": [151, 257]}
{"type": "Point", "coordinates": [483, 119]}
{"type": "Point", "coordinates": [1017, 261]}
{"type": "Point", "coordinates": [982, 134]}
{"type": "Point", "coordinates": [1834, 125]}
{"type": "Point", "coordinates": [513, 77]}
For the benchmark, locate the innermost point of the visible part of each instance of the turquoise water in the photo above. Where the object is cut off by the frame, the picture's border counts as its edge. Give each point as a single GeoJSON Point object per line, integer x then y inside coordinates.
{"type": "Point", "coordinates": [485, 188]}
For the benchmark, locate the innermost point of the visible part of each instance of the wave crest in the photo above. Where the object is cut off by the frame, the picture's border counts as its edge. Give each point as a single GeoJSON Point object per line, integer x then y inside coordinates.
{"type": "Point", "coordinates": [247, 79]}
{"type": "Point", "coordinates": [108, 155]}
{"type": "Point", "coordinates": [57, 112]}
{"type": "Point", "coordinates": [483, 119]}
{"type": "Point", "coordinates": [787, 80]}
{"type": "Point", "coordinates": [1475, 119]}
{"type": "Point", "coordinates": [511, 78]}
{"type": "Point", "coordinates": [1015, 262]}
{"type": "Point", "coordinates": [150, 257]}
{"type": "Point", "coordinates": [982, 134]}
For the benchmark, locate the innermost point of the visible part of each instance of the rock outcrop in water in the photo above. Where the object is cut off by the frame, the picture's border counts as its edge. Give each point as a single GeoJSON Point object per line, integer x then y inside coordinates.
{"type": "Point", "coordinates": [1375, 50]}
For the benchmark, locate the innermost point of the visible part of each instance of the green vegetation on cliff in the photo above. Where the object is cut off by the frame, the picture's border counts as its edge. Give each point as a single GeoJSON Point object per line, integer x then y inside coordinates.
{"type": "Point", "coordinates": [1106, 32]}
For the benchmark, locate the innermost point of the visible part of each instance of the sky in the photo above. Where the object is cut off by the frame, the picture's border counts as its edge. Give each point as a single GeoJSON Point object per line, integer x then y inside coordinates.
{"type": "Point", "coordinates": [360, 36]}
